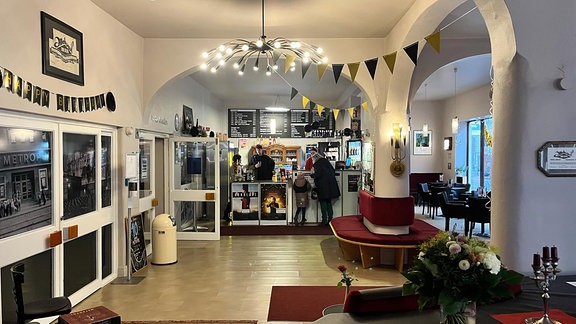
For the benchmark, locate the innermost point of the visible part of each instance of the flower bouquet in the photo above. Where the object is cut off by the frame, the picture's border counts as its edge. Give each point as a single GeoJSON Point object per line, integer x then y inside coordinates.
{"type": "Point", "coordinates": [453, 271]}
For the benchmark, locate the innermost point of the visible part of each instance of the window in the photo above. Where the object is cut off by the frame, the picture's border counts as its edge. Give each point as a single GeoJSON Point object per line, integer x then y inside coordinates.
{"type": "Point", "coordinates": [479, 157]}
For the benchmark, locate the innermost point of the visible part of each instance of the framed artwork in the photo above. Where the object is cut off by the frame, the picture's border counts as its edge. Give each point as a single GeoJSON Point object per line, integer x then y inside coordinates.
{"type": "Point", "coordinates": [187, 120]}
{"type": "Point", "coordinates": [557, 159]}
{"type": "Point", "coordinates": [422, 142]}
{"type": "Point", "coordinates": [62, 50]}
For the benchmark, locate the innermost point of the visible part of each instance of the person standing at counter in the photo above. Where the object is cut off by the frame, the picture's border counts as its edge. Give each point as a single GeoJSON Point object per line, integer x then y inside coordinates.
{"type": "Point", "coordinates": [301, 189]}
{"type": "Point", "coordinates": [310, 161]}
{"type": "Point", "coordinates": [326, 186]}
{"type": "Point", "coordinates": [263, 164]}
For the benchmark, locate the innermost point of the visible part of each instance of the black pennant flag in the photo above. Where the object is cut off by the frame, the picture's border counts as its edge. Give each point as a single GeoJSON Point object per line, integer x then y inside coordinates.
{"type": "Point", "coordinates": [337, 69]}
{"type": "Point", "coordinates": [67, 103]}
{"type": "Point", "coordinates": [312, 105]}
{"type": "Point", "coordinates": [45, 98]}
{"type": "Point", "coordinates": [37, 97]}
{"type": "Point", "coordinates": [74, 103]}
{"type": "Point", "coordinates": [28, 90]}
{"type": "Point", "coordinates": [305, 66]}
{"type": "Point", "coordinates": [293, 94]}
{"type": "Point", "coordinates": [371, 66]}
{"type": "Point", "coordinates": [81, 104]}
{"type": "Point", "coordinates": [412, 52]}
{"type": "Point", "coordinates": [59, 102]}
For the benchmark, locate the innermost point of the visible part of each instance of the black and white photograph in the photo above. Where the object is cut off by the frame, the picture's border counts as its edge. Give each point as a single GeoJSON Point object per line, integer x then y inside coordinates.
{"type": "Point", "coordinates": [25, 180]}
{"type": "Point", "coordinates": [79, 171]}
{"type": "Point", "coordinates": [62, 52]}
{"type": "Point", "coordinates": [106, 169]}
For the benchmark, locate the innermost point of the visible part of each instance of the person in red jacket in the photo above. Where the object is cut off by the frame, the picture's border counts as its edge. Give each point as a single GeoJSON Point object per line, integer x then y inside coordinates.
{"type": "Point", "coordinates": [309, 162]}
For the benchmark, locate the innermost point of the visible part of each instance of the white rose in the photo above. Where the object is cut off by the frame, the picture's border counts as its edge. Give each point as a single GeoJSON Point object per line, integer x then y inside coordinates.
{"type": "Point", "coordinates": [464, 265]}
{"type": "Point", "coordinates": [491, 262]}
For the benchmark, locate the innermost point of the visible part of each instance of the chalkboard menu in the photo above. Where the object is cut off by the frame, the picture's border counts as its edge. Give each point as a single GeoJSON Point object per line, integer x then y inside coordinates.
{"type": "Point", "coordinates": [241, 123]}
{"type": "Point", "coordinates": [137, 243]}
{"type": "Point", "coordinates": [253, 123]}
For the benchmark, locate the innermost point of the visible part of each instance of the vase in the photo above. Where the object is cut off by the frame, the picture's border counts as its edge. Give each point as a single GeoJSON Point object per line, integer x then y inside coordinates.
{"type": "Point", "coordinates": [346, 294]}
{"type": "Point", "coordinates": [466, 316]}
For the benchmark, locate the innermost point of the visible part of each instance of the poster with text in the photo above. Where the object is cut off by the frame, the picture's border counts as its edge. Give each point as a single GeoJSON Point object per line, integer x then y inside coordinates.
{"type": "Point", "coordinates": [273, 201]}
{"type": "Point", "coordinates": [245, 201]}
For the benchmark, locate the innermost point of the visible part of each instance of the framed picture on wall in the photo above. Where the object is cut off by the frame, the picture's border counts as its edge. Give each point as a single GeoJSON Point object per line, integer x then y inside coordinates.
{"type": "Point", "coordinates": [422, 142]}
{"type": "Point", "coordinates": [62, 50]}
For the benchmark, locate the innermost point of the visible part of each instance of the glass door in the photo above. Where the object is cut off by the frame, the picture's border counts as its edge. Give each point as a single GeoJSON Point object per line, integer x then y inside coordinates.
{"type": "Point", "coordinates": [195, 187]}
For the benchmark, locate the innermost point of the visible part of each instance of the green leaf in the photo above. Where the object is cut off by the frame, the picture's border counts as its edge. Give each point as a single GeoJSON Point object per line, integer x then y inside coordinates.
{"type": "Point", "coordinates": [339, 285]}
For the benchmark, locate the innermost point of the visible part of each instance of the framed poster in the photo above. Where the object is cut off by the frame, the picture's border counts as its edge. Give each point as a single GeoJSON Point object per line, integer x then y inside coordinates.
{"type": "Point", "coordinates": [557, 159]}
{"type": "Point", "coordinates": [62, 50]}
{"type": "Point", "coordinates": [245, 202]}
{"type": "Point", "coordinates": [273, 202]}
{"type": "Point", "coordinates": [422, 142]}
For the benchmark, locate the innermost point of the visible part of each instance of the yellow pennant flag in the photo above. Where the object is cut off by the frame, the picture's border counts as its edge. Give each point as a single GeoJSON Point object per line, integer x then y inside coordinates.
{"type": "Point", "coordinates": [289, 60]}
{"type": "Point", "coordinates": [320, 109]}
{"type": "Point", "coordinates": [351, 112]}
{"type": "Point", "coordinates": [365, 106]}
{"type": "Point", "coordinates": [335, 111]}
{"type": "Point", "coordinates": [321, 70]}
{"type": "Point", "coordinates": [390, 60]}
{"type": "Point", "coordinates": [353, 68]}
{"type": "Point", "coordinates": [434, 41]}
{"type": "Point", "coordinates": [305, 101]}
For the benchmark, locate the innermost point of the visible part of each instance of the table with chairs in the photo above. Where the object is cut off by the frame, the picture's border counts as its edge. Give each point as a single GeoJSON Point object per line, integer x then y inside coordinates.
{"type": "Point", "coordinates": [455, 201]}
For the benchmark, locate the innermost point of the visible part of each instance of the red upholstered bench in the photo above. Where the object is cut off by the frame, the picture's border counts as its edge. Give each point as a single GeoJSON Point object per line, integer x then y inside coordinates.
{"type": "Point", "coordinates": [357, 243]}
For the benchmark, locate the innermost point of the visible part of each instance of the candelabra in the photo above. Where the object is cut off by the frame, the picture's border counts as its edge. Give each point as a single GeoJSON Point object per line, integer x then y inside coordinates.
{"type": "Point", "coordinates": [545, 270]}
{"type": "Point", "coordinates": [397, 150]}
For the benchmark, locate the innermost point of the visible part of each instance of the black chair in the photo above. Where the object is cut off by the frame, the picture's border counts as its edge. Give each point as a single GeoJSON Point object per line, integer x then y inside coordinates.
{"type": "Point", "coordinates": [435, 200]}
{"type": "Point", "coordinates": [35, 309]}
{"type": "Point", "coordinates": [423, 196]}
{"type": "Point", "coordinates": [451, 210]}
{"type": "Point", "coordinates": [479, 212]}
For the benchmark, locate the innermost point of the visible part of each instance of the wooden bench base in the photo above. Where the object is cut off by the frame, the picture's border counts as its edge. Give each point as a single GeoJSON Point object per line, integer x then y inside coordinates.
{"type": "Point", "coordinates": [369, 254]}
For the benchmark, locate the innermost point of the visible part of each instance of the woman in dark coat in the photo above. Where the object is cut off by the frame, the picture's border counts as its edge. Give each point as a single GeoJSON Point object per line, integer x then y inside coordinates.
{"type": "Point", "coordinates": [326, 186]}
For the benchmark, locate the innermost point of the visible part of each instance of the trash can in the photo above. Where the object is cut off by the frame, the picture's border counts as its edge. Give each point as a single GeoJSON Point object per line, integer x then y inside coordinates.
{"type": "Point", "coordinates": [164, 246]}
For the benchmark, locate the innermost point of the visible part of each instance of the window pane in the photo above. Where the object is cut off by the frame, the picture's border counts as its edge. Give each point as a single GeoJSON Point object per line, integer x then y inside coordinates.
{"type": "Point", "coordinates": [106, 171]}
{"type": "Point", "coordinates": [145, 168]}
{"type": "Point", "coordinates": [25, 180]}
{"type": "Point", "coordinates": [474, 133]}
{"type": "Point", "coordinates": [488, 156]}
{"type": "Point", "coordinates": [79, 263]}
{"type": "Point", "coordinates": [79, 174]}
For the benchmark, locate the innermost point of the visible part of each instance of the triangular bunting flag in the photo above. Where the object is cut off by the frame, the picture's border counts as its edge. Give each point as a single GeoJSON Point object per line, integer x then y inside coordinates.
{"type": "Point", "coordinates": [312, 105]}
{"type": "Point", "coordinates": [335, 112]}
{"type": "Point", "coordinates": [289, 60]}
{"type": "Point", "coordinates": [337, 69]}
{"type": "Point", "coordinates": [275, 57]}
{"type": "Point", "coordinates": [434, 41]}
{"type": "Point", "coordinates": [305, 101]}
{"type": "Point", "coordinates": [293, 94]}
{"type": "Point", "coordinates": [351, 112]}
{"type": "Point", "coordinates": [412, 52]}
{"type": "Point", "coordinates": [305, 66]}
{"type": "Point", "coordinates": [320, 109]}
{"type": "Point", "coordinates": [321, 69]}
{"type": "Point", "coordinates": [353, 68]}
{"type": "Point", "coordinates": [365, 106]}
{"type": "Point", "coordinates": [390, 60]}
{"type": "Point", "coordinates": [371, 66]}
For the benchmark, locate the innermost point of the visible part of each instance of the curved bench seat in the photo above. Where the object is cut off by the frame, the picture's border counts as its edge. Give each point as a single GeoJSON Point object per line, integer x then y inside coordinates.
{"type": "Point", "coordinates": [358, 243]}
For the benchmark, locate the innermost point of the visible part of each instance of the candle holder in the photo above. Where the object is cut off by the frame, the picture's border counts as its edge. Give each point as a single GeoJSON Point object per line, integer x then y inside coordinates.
{"type": "Point", "coordinates": [543, 274]}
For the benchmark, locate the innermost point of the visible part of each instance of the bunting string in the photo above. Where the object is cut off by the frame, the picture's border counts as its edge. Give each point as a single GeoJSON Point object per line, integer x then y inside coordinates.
{"type": "Point", "coordinates": [27, 90]}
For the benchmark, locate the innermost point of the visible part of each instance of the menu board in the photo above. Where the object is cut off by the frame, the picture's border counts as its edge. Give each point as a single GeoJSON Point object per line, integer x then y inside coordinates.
{"type": "Point", "coordinates": [241, 123]}
{"type": "Point", "coordinates": [268, 118]}
{"type": "Point", "coordinates": [253, 123]}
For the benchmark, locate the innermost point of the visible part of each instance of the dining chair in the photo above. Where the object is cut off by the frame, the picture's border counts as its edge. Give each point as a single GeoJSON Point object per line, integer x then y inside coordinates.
{"type": "Point", "coordinates": [423, 196]}
{"type": "Point", "coordinates": [478, 212]}
{"type": "Point", "coordinates": [452, 210]}
{"type": "Point", "coordinates": [435, 200]}
{"type": "Point", "coordinates": [35, 309]}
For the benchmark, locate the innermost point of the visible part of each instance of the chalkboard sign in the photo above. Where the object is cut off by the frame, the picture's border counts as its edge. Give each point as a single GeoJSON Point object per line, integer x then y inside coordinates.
{"type": "Point", "coordinates": [253, 123]}
{"type": "Point", "coordinates": [137, 243]}
{"type": "Point", "coordinates": [267, 118]}
{"type": "Point", "coordinates": [242, 123]}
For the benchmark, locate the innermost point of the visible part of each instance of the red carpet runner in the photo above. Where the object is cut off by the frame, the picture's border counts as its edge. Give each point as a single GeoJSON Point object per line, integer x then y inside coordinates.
{"type": "Point", "coordinates": [304, 303]}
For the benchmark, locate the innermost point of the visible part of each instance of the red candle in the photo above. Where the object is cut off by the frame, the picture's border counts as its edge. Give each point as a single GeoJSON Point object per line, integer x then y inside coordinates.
{"type": "Point", "coordinates": [546, 253]}
{"type": "Point", "coordinates": [536, 260]}
{"type": "Point", "coordinates": [554, 253]}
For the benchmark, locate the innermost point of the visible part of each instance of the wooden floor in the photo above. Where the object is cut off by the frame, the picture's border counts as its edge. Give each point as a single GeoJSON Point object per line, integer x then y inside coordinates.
{"type": "Point", "coordinates": [232, 278]}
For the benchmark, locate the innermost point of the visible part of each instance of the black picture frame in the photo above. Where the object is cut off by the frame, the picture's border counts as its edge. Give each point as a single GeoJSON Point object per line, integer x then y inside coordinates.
{"type": "Point", "coordinates": [557, 158]}
{"type": "Point", "coordinates": [62, 50]}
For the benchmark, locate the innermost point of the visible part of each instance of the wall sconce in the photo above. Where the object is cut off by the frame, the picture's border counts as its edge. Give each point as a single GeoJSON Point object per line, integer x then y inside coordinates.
{"type": "Point", "coordinates": [397, 150]}
{"type": "Point", "coordinates": [447, 143]}
{"type": "Point", "coordinates": [455, 122]}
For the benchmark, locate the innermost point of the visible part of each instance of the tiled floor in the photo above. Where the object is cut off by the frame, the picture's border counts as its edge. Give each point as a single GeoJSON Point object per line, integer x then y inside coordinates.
{"type": "Point", "coordinates": [232, 278]}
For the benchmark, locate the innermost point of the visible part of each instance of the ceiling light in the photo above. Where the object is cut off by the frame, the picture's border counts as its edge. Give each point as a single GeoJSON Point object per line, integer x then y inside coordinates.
{"type": "Point", "coordinates": [270, 50]}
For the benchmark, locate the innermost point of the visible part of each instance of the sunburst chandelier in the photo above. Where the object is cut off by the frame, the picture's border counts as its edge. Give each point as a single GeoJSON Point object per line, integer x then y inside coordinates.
{"type": "Point", "coordinates": [264, 50]}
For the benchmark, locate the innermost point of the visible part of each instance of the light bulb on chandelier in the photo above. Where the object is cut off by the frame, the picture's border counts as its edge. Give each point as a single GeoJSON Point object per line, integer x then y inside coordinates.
{"type": "Point", "coordinates": [270, 51]}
